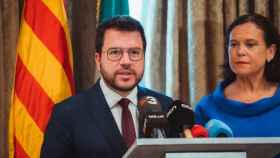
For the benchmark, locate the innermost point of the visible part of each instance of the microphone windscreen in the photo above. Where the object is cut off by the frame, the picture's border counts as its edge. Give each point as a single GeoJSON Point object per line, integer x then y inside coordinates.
{"type": "Point", "coordinates": [149, 104]}
{"type": "Point", "coordinates": [151, 117]}
{"type": "Point", "coordinates": [180, 116]}
{"type": "Point", "coordinates": [154, 123]}
{"type": "Point", "coordinates": [155, 120]}
{"type": "Point", "coordinates": [199, 131]}
{"type": "Point", "coordinates": [217, 128]}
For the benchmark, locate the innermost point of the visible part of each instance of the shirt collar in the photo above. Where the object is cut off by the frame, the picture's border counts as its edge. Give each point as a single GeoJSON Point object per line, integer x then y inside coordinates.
{"type": "Point", "coordinates": [113, 98]}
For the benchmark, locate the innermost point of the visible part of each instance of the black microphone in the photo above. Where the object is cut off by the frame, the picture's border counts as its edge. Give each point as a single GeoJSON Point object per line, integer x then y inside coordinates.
{"type": "Point", "coordinates": [152, 120]}
{"type": "Point", "coordinates": [181, 117]}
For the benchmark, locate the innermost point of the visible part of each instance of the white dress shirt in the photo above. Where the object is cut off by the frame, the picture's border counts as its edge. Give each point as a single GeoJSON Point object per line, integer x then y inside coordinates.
{"type": "Point", "coordinates": [113, 98]}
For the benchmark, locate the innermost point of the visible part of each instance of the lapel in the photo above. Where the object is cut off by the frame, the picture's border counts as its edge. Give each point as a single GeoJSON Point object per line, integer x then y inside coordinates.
{"type": "Point", "coordinates": [141, 92]}
{"type": "Point", "coordinates": [104, 120]}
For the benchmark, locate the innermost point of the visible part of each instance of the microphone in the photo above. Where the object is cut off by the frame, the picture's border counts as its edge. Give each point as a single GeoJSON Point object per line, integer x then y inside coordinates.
{"type": "Point", "coordinates": [199, 131]}
{"type": "Point", "coordinates": [152, 120]}
{"type": "Point", "coordinates": [181, 118]}
{"type": "Point", "coordinates": [217, 128]}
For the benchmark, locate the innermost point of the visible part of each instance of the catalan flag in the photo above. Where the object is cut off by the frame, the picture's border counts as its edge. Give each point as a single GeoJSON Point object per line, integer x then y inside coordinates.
{"type": "Point", "coordinates": [44, 74]}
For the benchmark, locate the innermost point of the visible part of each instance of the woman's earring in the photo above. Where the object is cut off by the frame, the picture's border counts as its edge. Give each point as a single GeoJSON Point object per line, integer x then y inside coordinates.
{"type": "Point", "coordinates": [268, 60]}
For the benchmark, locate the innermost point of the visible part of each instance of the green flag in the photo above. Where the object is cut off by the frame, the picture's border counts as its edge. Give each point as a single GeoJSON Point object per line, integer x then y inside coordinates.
{"type": "Point", "coordinates": [110, 8]}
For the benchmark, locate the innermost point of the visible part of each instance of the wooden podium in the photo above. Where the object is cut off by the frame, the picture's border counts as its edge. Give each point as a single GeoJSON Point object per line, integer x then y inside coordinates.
{"type": "Point", "coordinates": [267, 147]}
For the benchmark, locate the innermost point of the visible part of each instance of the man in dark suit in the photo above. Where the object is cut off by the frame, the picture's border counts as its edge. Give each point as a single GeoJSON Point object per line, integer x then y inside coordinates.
{"type": "Point", "coordinates": [103, 121]}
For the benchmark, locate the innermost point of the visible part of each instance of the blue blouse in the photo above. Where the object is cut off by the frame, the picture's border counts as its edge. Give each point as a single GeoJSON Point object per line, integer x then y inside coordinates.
{"type": "Point", "coordinates": [257, 119]}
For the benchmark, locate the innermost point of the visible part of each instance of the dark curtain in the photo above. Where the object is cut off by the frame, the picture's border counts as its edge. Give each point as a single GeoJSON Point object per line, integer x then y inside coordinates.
{"type": "Point", "coordinates": [9, 25]}
{"type": "Point", "coordinates": [186, 42]}
{"type": "Point", "coordinates": [83, 36]}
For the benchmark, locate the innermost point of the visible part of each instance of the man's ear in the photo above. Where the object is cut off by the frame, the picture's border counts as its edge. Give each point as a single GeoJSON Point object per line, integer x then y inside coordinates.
{"type": "Point", "coordinates": [97, 60]}
{"type": "Point", "coordinates": [271, 53]}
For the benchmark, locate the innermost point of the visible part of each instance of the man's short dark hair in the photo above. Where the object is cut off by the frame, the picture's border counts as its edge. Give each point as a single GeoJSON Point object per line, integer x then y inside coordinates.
{"type": "Point", "coordinates": [270, 36]}
{"type": "Point", "coordinates": [120, 23]}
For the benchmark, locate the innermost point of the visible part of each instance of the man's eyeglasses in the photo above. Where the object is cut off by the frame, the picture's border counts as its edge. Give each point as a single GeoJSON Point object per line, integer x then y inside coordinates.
{"type": "Point", "coordinates": [134, 54]}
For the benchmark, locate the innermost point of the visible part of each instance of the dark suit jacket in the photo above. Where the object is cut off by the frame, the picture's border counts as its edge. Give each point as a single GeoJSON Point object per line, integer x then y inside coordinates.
{"type": "Point", "coordinates": [83, 127]}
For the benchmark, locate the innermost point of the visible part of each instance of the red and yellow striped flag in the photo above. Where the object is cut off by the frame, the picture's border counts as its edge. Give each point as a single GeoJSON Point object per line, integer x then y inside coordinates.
{"type": "Point", "coordinates": [44, 74]}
